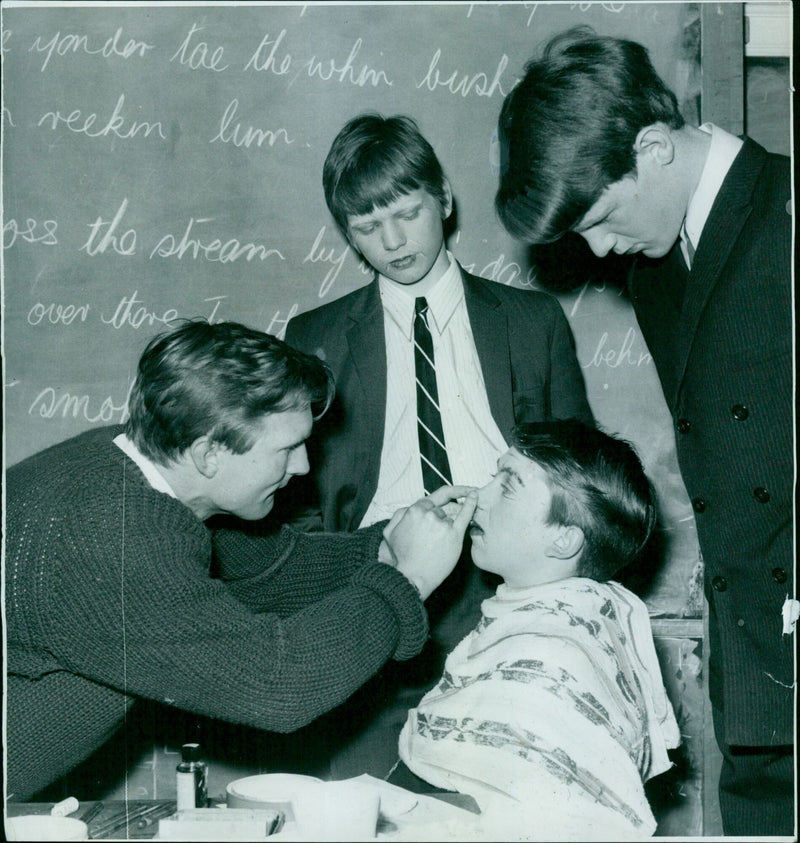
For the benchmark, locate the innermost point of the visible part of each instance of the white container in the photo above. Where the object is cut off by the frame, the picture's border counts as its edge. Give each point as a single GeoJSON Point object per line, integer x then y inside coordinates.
{"type": "Point", "coordinates": [45, 827]}
{"type": "Point", "coordinates": [344, 810]}
{"type": "Point", "coordinates": [271, 790]}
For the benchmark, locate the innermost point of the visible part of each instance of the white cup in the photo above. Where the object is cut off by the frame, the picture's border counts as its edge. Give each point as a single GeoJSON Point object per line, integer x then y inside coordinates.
{"type": "Point", "coordinates": [345, 810]}
{"type": "Point", "coordinates": [45, 827]}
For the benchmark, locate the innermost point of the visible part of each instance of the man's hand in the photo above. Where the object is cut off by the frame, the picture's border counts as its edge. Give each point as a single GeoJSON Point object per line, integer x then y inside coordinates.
{"type": "Point", "coordinates": [425, 539]}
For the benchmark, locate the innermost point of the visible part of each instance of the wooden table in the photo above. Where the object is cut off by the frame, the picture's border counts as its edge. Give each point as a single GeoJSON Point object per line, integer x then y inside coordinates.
{"type": "Point", "coordinates": [110, 823]}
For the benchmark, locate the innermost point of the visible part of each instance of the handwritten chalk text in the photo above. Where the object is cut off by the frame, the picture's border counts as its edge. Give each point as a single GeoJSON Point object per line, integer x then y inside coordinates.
{"type": "Point", "coordinates": [240, 136]}
{"type": "Point", "coordinates": [31, 231]}
{"type": "Point", "coordinates": [214, 250]}
{"type": "Point", "coordinates": [57, 314]}
{"type": "Point", "coordinates": [127, 313]}
{"type": "Point", "coordinates": [115, 125]}
{"type": "Point", "coordinates": [201, 55]}
{"type": "Point", "coordinates": [63, 44]}
{"type": "Point", "coordinates": [624, 355]}
{"type": "Point", "coordinates": [124, 245]}
{"type": "Point", "coordinates": [317, 254]}
{"type": "Point", "coordinates": [462, 83]}
{"type": "Point", "coordinates": [277, 325]}
{"type": "Point", "coordinates": [269, 62]}
{"type": "Point", "coordinates": [327, 69]}
{"type": "Point", "coordinates": [48, 404]}
{"type": "Point", "coordinates": [267, 58]}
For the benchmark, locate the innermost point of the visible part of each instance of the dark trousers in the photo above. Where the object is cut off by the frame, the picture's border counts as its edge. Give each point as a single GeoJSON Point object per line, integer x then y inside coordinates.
{"type": "Point", "coordinates": [756, 787]}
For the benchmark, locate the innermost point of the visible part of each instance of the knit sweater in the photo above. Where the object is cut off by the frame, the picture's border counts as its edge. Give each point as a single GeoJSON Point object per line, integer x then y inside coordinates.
{"type": "Point", "coordinates": [109, 598]}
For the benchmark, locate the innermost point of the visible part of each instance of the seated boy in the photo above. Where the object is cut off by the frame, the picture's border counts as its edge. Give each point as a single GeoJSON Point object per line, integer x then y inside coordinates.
{"type": "Point", "coordinates": [552, 712]}
{"type": "Point", "coordinates": [433, 367]}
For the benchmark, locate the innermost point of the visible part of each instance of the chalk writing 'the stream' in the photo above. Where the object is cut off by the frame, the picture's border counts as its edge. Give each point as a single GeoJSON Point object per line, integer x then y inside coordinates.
{"type": "Point", "coordinates": [211, 250]}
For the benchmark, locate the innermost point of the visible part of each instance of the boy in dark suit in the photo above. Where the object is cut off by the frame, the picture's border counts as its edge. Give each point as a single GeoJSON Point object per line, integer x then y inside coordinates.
{"type": "Point", "coordinates": [593, 142]}
{"type": "Point", "coordinates": [433, 368]}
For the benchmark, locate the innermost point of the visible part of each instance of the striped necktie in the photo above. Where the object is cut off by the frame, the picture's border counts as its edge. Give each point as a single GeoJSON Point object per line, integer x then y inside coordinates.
{"type": "Point", "coordinates": [688, 247]}
{"type": "Point", "coordinates": [432, 451]}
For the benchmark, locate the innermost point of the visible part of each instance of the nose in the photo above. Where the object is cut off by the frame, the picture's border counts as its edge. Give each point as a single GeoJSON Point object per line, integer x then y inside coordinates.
{"type": "Point", "coordinates": [599, 242]}
{"type": "Point", "coordinates": [392, 236]}
{"type": "Point", "coordinates": [298, 462]}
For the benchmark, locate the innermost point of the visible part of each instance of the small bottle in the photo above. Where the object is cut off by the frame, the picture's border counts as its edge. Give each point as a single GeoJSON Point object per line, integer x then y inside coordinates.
{"type": "Point", "coordinates": [192, 775]}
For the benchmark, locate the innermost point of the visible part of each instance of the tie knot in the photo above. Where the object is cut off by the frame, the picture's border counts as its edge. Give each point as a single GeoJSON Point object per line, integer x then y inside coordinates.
{"type": "Point", "coordinates": [420, 306]}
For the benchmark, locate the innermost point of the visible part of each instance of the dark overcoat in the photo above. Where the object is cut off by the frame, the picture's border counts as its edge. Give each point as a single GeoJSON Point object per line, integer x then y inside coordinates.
{"type": "Point", "coordinates": [724, 356]}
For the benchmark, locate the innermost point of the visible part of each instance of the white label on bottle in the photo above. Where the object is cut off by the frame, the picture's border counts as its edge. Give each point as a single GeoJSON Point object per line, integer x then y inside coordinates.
{"type": "Point", "coordinates": [186, 791]}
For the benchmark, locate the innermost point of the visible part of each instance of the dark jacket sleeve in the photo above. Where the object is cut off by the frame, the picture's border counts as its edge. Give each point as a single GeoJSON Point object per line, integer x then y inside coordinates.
{"type": "Point", "coordinates": [567, 387]}
{"type": "Point", "coordinates": [299, 503]}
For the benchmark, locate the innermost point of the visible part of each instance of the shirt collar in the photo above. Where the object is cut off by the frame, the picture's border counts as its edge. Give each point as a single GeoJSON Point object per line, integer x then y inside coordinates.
{"type": "Point", "coordinates": [443, 299]}
{"type": "Point", "coordinates": [722, 151]}
{"type": "Point", "coordinates": [146, 466]}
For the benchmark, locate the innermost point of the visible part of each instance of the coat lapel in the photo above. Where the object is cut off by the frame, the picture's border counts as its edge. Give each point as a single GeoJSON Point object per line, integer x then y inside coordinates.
{"type": "Point", "coordinates": [728, 214]}
{"type": "Point", "coordinates": [490, 332]}
{"type": "Point", "coordinates": [367, 350]}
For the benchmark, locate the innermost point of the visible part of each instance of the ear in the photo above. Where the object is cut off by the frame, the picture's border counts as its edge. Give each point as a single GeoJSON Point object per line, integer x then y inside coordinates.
{"type": "Point", "coordinates": [567, 543]}
{"type": "Point", "coordinates": [205, 456]}
{"type": "Point", "coordinates": [447, 207]}
{"type": "Point", "coordinates": [655, 144]}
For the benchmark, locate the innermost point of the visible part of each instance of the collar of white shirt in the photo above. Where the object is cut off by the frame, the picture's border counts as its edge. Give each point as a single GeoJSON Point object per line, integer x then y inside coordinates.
{"type": "Point", "coordinates": [443, 299]}
{"type": "Point", "coordinates": [721, 154]}
{"type": "Point", "coordinates": [147, 466]}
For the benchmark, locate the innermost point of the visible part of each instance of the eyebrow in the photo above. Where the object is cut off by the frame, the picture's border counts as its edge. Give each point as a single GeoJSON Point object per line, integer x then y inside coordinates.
{"type": "Point", "coordinates": [366, 219]}
{"type": "Point", "coordinates": [511, 474]}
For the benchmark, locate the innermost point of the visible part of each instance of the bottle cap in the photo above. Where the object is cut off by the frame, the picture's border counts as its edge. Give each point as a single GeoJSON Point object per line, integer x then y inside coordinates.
{"type": "Point", "coordinates": [191, 752]}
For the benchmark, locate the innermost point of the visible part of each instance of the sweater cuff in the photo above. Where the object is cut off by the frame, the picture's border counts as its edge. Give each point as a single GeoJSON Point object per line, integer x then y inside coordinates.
{"type": "Point", "coordinates": [373, 536]}
{"type": "Point", "coordinates": [406, 603]}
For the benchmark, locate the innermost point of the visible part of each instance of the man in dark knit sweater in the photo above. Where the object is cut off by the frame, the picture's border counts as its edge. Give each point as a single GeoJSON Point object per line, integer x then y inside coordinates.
{"type": "Point", "coordinates": [113, 536]}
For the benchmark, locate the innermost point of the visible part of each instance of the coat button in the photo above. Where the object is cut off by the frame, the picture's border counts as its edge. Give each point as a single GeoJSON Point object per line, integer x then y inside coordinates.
{"type": "Point", "coordinates": [761, 494]}
{"type": "Point", "coordinates": [719, 583]}
{"type": "Point", "coordinates": [740, 622]}
{"type": "Point", "coordinates": [740, 412]}
{"type": "Point", "coordinates": [684, 425]}
{"type": "Point", "coordinates": [779, 575]}
{"type": "Point", "coordinates": [699, 504]}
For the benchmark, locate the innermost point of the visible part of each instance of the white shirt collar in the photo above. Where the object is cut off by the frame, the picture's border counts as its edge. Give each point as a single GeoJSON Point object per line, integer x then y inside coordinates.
{"type": "Point", "coordinates": [146, 466]}
{"type": "Point", "coordinates": [443, 299]}
{"type": "Point", "coordinates": [721, 154]}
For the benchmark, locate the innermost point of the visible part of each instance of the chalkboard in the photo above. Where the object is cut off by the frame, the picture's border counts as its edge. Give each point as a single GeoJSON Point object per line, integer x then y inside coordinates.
{"type": "Point", "coordinates": [165, 161]}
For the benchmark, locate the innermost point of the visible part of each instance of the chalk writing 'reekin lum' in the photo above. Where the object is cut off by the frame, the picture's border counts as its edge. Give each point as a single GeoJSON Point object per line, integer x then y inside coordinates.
{"type": "Point", "coordinates": [249, 135]}
{"type": "Point", "coordinates": [115, 125]}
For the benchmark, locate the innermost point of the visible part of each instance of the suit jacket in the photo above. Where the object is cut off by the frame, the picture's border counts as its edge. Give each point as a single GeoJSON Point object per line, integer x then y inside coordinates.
{"type": "Point", "coordinates": [724, 357]}
{"type": "Point", "coordinates": [527, 355]}
{"type": "Point", "coordinates": [526, 351]}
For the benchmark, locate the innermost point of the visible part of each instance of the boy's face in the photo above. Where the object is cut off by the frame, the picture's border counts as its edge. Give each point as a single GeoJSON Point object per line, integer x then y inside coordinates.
{"type": "Point", "coordinates": [404, 241]}
{"type": "Point", "coordinates": [245, 484]}
{"type": "Point", "coordinates": [642, 212]}
{"type": "Point", "coordinates": [510, 533]}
